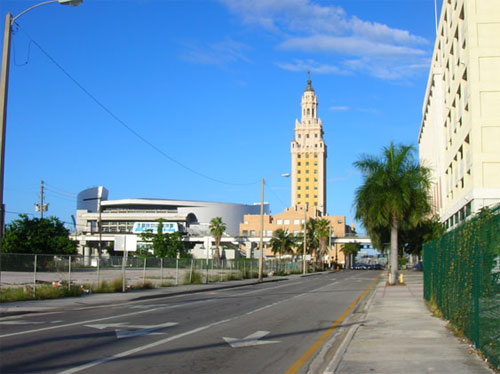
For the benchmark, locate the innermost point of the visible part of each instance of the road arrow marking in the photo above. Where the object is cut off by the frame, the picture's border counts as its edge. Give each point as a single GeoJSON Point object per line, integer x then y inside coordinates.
{"type": "Point", "coordinates": [142, 329]}
{"type": "Point", "coordinates": [252, 339]}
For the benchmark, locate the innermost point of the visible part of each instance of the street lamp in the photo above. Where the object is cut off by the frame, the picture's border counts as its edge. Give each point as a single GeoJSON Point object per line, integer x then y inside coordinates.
{"type": "Point", "coordinates": [304, 270]}
{"type": "Point", "coordinates": [261, 254]}
{"type": "Point", "coordinates": [4, 84]}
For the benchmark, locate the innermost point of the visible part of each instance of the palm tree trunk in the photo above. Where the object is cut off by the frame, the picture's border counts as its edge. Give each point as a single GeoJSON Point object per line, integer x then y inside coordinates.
{"type": "Point", "coordinates": [394, 251]}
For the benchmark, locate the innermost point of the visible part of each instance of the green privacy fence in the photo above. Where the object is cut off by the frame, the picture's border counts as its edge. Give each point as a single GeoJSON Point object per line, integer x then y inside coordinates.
{"type": "Point", "coordinates": [462, 277]}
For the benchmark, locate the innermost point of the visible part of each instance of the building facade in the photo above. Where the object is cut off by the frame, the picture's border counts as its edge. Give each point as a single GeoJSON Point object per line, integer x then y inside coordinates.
{"type": "Point", "coordinates": [99, 220]}
{"type": "Point", "coordinates": [459, 137]}
{"type": "Point", "coordinates": [292, 220]}
{"type": "Point", "coordinates": [308, 155]}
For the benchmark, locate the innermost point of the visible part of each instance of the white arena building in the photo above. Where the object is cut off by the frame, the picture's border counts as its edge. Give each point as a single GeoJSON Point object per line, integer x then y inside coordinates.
{"type": "Point", "coordinates": [127, 216]}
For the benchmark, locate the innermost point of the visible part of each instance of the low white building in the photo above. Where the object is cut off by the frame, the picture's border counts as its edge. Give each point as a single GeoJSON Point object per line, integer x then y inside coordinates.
{"type": "Point", "coordinates": [99, 220]}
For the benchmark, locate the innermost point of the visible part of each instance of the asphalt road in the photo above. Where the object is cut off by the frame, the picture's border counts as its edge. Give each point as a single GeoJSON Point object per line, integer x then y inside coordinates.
{"type": "Point", "coordinates": [264, 328]}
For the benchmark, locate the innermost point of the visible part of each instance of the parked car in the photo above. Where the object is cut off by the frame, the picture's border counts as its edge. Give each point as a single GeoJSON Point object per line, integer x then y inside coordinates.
{"type": "Point", "coordinates": [418, 266]}
{"type": "Point", "coordinates": [378, 267]}
{"type": "Point", "coordinates": [357, 267]}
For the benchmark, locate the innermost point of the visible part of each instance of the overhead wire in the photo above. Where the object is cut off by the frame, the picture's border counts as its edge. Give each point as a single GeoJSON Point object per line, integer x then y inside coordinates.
{"type": "Point", "coordinates": [123, 123]}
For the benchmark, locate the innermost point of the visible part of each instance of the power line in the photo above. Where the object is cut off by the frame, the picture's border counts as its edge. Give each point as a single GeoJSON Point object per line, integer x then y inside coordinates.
{"type": "Point", "coordinates": [124, 124]}
{"type": "Point", "coordinates": [60, 190]}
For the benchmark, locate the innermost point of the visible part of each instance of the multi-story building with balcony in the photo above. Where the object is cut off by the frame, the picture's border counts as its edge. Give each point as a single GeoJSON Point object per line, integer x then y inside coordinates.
{"type": "Point", "coordinates": [459, 137]}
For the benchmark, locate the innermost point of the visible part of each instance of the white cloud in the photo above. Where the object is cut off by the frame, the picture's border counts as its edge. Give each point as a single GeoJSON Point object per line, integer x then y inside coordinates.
{"type": "Point", "coordinates": [340, 108]}
{"type": "Point", "coordinates": [220, 53]}
{"type": "Point", "coordinates": [327, 30]}
{"type": "Point", "coordinates": [300, 65]}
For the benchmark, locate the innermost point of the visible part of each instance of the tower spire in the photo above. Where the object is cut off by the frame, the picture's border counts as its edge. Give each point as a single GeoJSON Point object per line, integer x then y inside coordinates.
{"type": "Point", "coordinates": [309, 86]}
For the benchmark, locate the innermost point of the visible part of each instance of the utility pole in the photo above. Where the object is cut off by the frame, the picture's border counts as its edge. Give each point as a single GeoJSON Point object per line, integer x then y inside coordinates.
{"type": "Point", "coordinates": [261, 254]}
{"type": "Point", "coordinates": [99, 222]}
{"type": "Point", "coordinates": [42, 207]}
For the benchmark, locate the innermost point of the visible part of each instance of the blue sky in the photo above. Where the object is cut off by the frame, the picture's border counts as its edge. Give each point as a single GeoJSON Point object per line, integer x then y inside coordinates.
{"type": "Point", "coordinates": [211, 90]}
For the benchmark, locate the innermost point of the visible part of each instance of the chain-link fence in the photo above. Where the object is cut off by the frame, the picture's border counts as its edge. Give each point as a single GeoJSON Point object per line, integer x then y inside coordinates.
{"type": "Point", "coordinates": [462, 278]}
{"type": "Point", "coordinates": [115, 272]}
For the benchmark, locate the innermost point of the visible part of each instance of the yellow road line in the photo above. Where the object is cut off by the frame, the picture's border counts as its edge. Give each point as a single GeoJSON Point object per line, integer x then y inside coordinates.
{"type": "Point", "coordinates": [306, 356]}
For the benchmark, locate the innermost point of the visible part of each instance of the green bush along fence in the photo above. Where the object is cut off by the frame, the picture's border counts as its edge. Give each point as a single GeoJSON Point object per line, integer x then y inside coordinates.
{"type": "Point", "coordinates": [29, 270]}
{"type": "Point", "coordinates": [462, 278]}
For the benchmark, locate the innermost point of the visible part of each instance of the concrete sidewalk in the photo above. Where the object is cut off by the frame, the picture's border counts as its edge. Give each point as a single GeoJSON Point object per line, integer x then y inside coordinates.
{"type": "Point", "coordinates": [398, 334]}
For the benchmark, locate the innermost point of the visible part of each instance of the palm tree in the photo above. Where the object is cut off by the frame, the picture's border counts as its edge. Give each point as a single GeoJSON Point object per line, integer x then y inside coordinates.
{"type": "Point", "coordinates": [350, 250]}
{"type": "Point", "coordinates": [282, 242]}
{"type": "Point", "coordinates": [322, 232]}
{"type": "Point", "coordinates": [217, 228]}
{"type": "Point", "coordinates": [394, 193]}
{"type": "Point", "coordinates": [311, 238]}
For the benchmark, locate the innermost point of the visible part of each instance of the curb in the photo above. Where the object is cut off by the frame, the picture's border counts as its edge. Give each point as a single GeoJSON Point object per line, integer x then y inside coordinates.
{"type": "Point", "coordinates": [7, 311]}
{"type": "Point", "coordinates": [337, 358]}
{"type": "Point", "coordinates": [187, 292]}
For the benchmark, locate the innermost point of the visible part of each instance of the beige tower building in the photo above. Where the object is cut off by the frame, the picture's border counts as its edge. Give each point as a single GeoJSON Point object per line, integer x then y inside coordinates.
{"type": "Point", "coordinates": [308, 151]}
{"type": "Point", "coordinates": [460, 134]}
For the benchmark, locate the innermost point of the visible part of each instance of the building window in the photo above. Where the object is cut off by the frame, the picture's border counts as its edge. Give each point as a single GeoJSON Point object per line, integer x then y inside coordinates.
{"type": "Point", "coordinates": [298, 171]}
{"type": "Point", "coordinates": [307, 136]}
{"type": "Point", "coordinates": [315, 172]}
{"type": "Point", "coordinates": [307, 196]}
{"type": "Point", "coordinates": [315, 196]}
{"type": "Point", "coordinates": [315, 155]}
{"type": "Point", "coordinates": [252, 232]}
{"type": "Point", "coordinates": [307, 187]}
{"type": "Point", "coordinates": [298, 187]}
{"type": "Point", "coordinates": [298, 136]}
{"type": "Point", "coordinates": [286, 222]}
{"type": "Point", "coordinates": [315, 179]}
{"type": "Point", "coordinates": [269, 233]}
{"type": "Point", "coordinates": [298, 196]}
{"type": "Point", "coordinates": [245, 232]}
{"type": "Point", "coordinates": [315, 135]}
{"type": "Point", "coordinates": [307, 179]}
{"type": "Point", "coordinates": [298, 156]}
{"type": "Point", "coordinates": [315, 204]}
{"type": "Point", "coordinates": [307, 163]}
{"type": "Point", "coordinates": [279, 222]}
{"type": "Point", "coordinates": [296, 221]}
{"type": "Point", "coordinates": [298, 179]}
{"type": "Point", "coordinates": [298, 163]}
{"type": "Point", "coordinates": [307, 155]}
{"type": "Point", "coordinates": [307, 171]}
{"type": "Point", "coordinates": [315, 163]}
{"type": "Point", "coordinates": [315, 187]}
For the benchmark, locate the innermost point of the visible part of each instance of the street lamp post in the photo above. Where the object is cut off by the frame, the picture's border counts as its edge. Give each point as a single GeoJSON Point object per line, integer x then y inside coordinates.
{"type": "Point", "coordinates": [304, 269]}
{"type": "Point", "coordinates": [4, 85]}
{"type": "Point", "coordinates": [261, 246]}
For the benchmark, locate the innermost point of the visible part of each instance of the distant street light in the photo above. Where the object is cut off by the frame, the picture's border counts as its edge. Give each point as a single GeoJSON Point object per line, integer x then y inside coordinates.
{"type": "Point", "coordinates": [261, 255]}
{"type": "Point", "coordinates": [304, 269]}
{"type": "Point", "coordinates": [4, 84]}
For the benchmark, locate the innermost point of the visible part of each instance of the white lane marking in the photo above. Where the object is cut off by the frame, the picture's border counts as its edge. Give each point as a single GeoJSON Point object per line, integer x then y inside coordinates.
{"type": "Point", "coordinates": [250, 340]}
{"type": "Point", "coordinates": [142, 329]}
{"type": "Point", "coordinates": [123, 334]}
{"type": "Point", "coordinates": [76, 323]}
{"type": "Point", "coordinates": [126, 325]}
{"type": "Point", "coordinates": [175, 337]}
{"type": "Point", "coordinates": [18, 322]}
{"type": "Point", "coordinates": [139, 312]}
